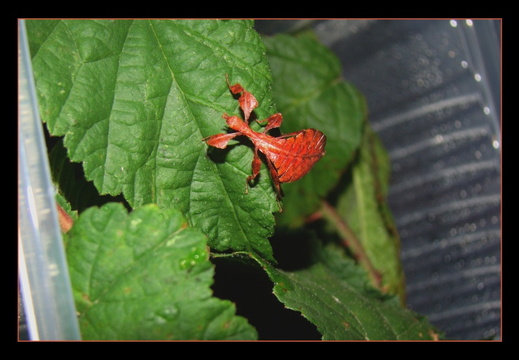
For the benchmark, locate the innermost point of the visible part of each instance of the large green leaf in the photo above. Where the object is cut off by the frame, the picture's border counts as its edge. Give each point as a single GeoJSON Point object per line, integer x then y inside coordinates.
{"type": "Point", "coordinates": [310, 93]}
{"type": "Point", "coordinates": [145, 275]}
{"type": "Point", "coordinates": [363, 207]}
{"type": "Point", "coordinates": [334, 295]}
{"type": "Point", "coordinates": [134, 100]}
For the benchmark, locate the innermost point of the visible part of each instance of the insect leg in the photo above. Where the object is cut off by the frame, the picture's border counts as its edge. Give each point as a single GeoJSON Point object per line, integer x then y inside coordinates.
{"type": "Point", "coordinates": [256, 165]}
{"type": "Point", "coordinates": [277, 184]}
{"type": "Point", "coordinates": [247, 101]}
{"type": "Point", "coordinates": [273, 121]}
{"type": "Point", "coordinates": [236, 88]}
{"type": "Point", "coordinates": [220, 141]}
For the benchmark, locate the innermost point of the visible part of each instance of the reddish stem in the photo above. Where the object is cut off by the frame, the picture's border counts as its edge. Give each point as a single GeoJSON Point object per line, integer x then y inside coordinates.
{"type": "Point", "coordinates": [350, 241]}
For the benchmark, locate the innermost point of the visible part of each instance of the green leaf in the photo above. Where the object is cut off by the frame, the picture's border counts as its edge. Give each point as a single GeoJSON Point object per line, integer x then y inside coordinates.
{"type": "Point", "coordinates": [145, 275]}
{"type": "Point", "coordinates": [363, 207]}
{"type": "Point", "coordinates": [332, 295]}
{"type": "Point", "coordinates": [134, 99]}
{"type": "Point", "coordinates": [310, 93]}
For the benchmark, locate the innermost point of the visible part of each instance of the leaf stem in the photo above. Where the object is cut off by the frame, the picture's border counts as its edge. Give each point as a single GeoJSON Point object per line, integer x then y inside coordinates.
{"type": "Point", "coordinates": [352, 242]}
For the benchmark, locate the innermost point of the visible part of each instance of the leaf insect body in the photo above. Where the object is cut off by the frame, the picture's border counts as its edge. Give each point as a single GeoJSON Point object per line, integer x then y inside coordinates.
{"type": "Point", "coordinates": [289, 156]}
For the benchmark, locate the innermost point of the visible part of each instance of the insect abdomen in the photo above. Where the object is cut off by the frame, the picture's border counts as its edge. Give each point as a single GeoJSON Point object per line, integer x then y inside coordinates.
{"type": "Point", "coordinates": [300, 154]}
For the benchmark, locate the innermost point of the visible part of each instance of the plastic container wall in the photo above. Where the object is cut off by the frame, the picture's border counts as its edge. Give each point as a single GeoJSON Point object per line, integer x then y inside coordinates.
{"type": "Point", "coordinates": [48, 305]}
{"type": "Point", "coordinates": [433, 93]}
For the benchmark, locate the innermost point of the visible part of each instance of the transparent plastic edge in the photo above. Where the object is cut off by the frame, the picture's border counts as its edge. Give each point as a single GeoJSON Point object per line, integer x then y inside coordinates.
{"type": "Point", "coordinates": [43, 272]}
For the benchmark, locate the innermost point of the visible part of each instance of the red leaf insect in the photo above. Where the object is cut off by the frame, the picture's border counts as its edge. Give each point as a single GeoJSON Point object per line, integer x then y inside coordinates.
{"type": "Point", "coordinates": [289, 156]}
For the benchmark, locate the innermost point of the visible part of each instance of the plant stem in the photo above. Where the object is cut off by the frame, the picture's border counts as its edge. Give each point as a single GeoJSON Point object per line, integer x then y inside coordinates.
{"type": "Point", "coordinates": [352, 242]}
